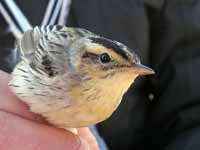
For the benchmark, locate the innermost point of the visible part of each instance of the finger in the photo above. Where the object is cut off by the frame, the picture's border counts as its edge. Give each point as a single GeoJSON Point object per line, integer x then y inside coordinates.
{"type": "Point", "coordinates": [17, 133]}
{"type": "Point", "coordinates": [88, 136]}
{"type": "Point", "coordinates": [10, 103]}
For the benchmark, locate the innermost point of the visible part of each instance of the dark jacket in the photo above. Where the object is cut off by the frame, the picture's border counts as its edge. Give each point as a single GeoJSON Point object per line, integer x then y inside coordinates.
{"type": "Point", "coordinates": [160, 112]}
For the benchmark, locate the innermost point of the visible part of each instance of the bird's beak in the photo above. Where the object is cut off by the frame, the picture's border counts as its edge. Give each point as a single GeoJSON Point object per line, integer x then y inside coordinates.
{"type": "Point", "coordinates": [142, 70]}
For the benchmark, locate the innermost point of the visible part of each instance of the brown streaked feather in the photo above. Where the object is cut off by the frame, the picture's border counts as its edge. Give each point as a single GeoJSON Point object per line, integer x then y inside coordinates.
{"type": "Point", "coordinates": [49, 44]}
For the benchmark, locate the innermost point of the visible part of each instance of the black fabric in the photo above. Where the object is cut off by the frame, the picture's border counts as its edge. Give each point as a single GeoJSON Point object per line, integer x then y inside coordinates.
{"type": "Point", "coordinates": [34, 11]}
{"type": "Point", "coordinates": [166, 35]}
{"type": "Point", "coordinates": [35, 14]}
{"type": "Point", "coordinates": [7, 57]}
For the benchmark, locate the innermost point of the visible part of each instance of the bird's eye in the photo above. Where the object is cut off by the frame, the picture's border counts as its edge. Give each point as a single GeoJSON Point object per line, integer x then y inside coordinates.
{"type": "Point", "coordinates": [105, 58]}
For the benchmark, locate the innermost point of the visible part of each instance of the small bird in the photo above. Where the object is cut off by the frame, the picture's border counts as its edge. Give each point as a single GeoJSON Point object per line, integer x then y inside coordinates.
{"type": "Point", "coordinates": [71, 76]}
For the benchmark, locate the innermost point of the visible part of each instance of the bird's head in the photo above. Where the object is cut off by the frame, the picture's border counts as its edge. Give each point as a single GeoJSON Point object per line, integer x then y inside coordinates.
{"type": "Point", "coordinates": [105, 59]}
{"type": "Point", "coordinates": [107, 69]}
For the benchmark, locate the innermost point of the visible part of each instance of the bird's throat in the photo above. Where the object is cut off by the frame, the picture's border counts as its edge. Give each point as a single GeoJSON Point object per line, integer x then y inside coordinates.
{"type": "Point", "coordinates": [104, 96]}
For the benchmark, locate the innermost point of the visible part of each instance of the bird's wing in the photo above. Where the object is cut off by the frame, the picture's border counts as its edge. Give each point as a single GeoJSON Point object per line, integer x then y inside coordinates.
{"type": "Point", "coordinates": [45, 48]}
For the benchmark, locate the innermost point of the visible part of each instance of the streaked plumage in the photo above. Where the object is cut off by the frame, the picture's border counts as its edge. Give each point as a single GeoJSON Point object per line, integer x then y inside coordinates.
{"type": "Point", "coordinates": [71, 76]}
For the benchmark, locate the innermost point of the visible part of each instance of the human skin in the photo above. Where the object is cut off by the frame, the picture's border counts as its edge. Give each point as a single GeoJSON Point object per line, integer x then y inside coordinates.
{"type": "Point", "coordinates": [22, 130]}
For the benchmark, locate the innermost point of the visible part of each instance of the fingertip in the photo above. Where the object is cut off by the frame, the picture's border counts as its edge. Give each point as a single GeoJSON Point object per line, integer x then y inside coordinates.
{"type": "Point", "coordinates": [4, 78]}
{"type": "Point", "coordinates": [2, 72]}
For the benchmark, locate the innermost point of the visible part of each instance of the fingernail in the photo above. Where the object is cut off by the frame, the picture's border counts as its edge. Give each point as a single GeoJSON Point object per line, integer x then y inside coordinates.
{"type": "Point", "coordinates": [73, 130]}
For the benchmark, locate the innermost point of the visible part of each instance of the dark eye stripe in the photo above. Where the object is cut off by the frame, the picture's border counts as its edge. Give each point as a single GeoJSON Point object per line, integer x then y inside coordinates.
{"type": "Point", "coordinates": [90, 55]}
{"type": "Point", "coordinates": [110, 45]}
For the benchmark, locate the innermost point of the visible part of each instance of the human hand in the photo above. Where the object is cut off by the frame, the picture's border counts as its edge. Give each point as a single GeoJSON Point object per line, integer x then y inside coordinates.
{"type": "Point", "coordinates": [23, 130]}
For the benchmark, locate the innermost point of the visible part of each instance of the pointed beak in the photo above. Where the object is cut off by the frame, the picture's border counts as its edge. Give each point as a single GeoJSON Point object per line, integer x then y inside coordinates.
{"type": "Point", "coordinates": [142, 70]}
